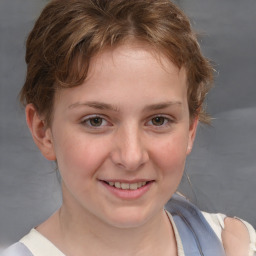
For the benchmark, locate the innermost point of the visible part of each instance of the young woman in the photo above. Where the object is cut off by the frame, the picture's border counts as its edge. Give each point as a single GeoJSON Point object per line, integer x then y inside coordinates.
{"type": "Point", "coordinates": [113, 94]}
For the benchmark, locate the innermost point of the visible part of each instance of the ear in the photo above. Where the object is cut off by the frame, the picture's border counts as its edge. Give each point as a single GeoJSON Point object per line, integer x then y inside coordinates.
{"type": "Point", "coordinates": [41, 134]}
{"type": "Point", "coordinates": [192, 134]}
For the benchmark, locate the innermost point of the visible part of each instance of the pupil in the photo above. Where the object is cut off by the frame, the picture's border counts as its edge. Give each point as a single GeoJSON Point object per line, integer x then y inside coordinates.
{"type": "Point", "coordinates": [96, 121]}
{"type": "Point", "coordinates": [158, 120]}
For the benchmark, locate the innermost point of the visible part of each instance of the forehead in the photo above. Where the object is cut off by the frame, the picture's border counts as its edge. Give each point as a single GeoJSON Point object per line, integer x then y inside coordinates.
{"type": "Point", "coordinates": [130, 72]}
{"type": "Point", "coordinates": [134, 52]}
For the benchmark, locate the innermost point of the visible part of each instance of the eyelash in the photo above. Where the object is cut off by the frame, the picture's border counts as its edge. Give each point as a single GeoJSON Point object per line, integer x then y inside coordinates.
{"type": "Point", "coordinates": [87, 122]}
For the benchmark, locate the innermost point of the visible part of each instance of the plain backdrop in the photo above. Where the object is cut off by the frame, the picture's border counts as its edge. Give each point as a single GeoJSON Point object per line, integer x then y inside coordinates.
{"type": "Point", "coordinates": [222, 166]}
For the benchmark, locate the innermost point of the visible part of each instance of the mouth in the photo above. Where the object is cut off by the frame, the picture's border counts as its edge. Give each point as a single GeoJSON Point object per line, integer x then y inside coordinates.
{"type": "Point", "coordinates": [128, 190]}
{"type": "Point", "coordinates": [127, 186]}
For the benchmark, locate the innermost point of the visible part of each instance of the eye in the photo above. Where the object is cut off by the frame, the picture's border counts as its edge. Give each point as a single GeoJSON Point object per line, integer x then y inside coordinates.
{"type": "Point", "coordinates": [95, 122]}
{"type": "Point", "coordinates": [160, 121]}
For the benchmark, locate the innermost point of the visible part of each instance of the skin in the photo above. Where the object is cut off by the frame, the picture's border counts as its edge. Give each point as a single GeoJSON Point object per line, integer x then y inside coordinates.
{"type": "Point", "coordinates": [235, 238]}
{"type": "Point", "coordinates": [145, 133]}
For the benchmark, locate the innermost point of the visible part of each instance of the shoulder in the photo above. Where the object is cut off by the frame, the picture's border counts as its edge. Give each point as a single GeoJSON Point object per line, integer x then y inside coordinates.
{"type": "Point", "coordinates": [17, 249]}
{"type": "Point", "coordinates": [238, 236]}
{"type": "Point", "coordinates": [235, 237]}
{"type": "Point", "coordinates": [33, 244]}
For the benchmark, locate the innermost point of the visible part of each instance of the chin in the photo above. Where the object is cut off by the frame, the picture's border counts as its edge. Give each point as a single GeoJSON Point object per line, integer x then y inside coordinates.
{"type": "Point", "coordinates": [129, 218]}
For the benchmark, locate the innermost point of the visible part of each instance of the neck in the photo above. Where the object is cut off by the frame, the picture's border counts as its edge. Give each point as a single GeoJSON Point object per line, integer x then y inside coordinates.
{"type": "Point", "coordinates": [78, 231]}
{"type": "Point", "coordinates": [87, 233]}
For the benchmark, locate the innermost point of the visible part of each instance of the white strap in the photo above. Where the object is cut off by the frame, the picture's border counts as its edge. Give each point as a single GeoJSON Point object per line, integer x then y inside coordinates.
{"type": "Point", "coordinates": [40, 245]}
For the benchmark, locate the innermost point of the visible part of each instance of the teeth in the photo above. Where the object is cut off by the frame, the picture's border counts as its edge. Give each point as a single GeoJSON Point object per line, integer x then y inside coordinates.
{"type": "Point", "coordinates": [126, 186]}
{"type": "Point", "coordinates": [117, 185]}
{"type": "Point", "coordinates": [134, 186]}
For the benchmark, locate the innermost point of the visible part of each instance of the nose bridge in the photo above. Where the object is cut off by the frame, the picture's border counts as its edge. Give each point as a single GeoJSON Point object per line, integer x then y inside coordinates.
{"type": "Point", "coordinates": [130, 151]}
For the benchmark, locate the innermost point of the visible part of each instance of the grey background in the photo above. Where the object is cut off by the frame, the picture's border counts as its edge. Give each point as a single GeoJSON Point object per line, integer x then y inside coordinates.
{"type": "Point", "coordinates": [222, 166]}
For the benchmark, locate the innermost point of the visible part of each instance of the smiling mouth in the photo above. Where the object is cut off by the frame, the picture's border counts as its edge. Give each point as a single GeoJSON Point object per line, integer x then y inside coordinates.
{"type": "Point", "coordinates": [127, 186]}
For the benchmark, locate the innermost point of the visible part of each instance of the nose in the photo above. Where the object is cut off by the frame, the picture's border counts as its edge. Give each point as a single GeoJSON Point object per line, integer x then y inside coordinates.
{"type": "Point", "coordinates": [129, 151]}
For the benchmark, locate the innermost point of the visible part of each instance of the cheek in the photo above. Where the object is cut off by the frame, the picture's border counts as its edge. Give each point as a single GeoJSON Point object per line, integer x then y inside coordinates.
{"type": "Point", "coordinates": [171, 154]}
{"type": "Point", "coordinates": [169, 159]}
{"type": "Point", "coordinates": [80, 157]}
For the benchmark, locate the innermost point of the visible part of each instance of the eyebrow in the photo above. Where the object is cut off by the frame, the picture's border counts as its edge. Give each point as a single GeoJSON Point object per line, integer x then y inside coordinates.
{"type": "Point", "coordinates": [162, 105]}
{"type": "Point", "coordinates": [94, 104]}
{"type": "Point", "coordinates": [106, 106]}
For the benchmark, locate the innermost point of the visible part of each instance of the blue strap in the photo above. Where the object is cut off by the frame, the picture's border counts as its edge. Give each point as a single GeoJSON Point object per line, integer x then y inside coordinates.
{"type": "Point", "coordinates": [17, 249]}
{"type": "Point", "coordinates": [197, 236]}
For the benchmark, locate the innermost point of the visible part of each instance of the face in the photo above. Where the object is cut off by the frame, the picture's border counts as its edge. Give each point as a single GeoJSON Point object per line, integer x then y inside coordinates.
{"type": "Point", "coordinates": [122, 137]}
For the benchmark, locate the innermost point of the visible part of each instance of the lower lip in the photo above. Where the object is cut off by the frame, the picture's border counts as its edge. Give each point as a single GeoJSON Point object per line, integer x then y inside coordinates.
{"type": "Point", "coordinates": [128, 193]}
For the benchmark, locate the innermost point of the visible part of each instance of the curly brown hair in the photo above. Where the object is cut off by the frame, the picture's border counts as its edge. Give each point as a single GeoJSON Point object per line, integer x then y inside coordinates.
{"type": "Point", "coordinates": [69, 33]}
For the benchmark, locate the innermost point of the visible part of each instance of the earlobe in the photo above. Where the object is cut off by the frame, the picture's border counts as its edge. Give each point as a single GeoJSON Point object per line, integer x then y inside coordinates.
{"type": "Point", "coordinates": [41, 134]}
{"type": "Point", "coordinates": [192, 134]}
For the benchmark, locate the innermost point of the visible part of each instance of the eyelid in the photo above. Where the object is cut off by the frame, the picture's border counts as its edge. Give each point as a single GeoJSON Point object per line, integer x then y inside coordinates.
{"type": "Point", "coordinates": [86, 117]}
